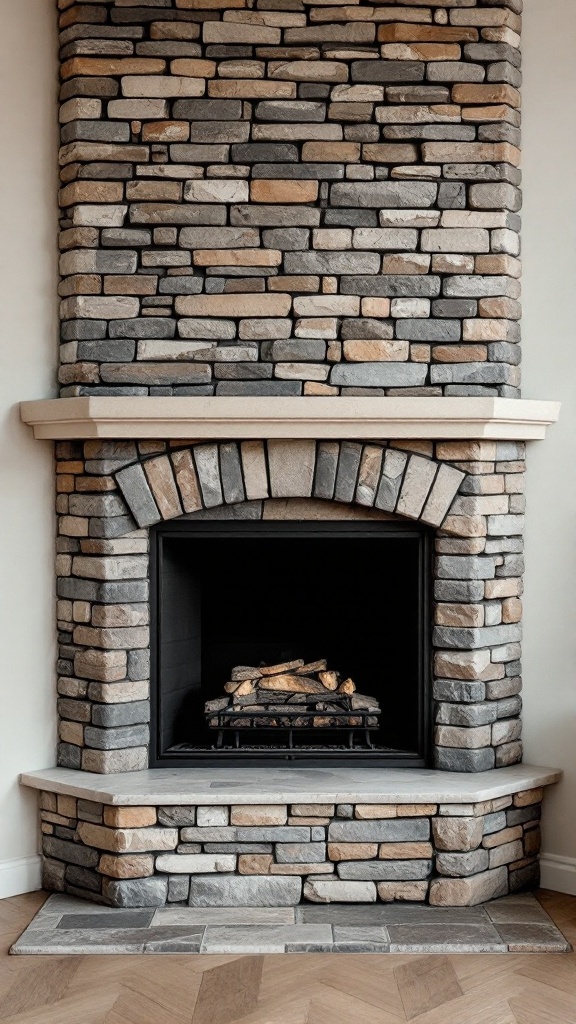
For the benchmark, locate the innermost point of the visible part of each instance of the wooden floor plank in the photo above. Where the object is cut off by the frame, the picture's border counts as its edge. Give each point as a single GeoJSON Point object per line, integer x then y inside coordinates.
{"type": "Point", "coordinates": [426, 983]}
{"type": "Point", "coordinates": [229, 992]}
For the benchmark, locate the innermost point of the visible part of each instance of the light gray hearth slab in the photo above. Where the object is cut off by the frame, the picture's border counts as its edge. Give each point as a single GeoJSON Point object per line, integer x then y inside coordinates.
{"type": "Point", "coordinates": [290, 785]}
{"type": "Point", "coordinates": [67, 925]}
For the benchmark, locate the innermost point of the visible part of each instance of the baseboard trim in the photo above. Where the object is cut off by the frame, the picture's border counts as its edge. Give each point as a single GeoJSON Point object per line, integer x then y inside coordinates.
{"type": "Point", "coordinates": [558, 873]}
{"type": "Point", "coordinates": [23, 874]}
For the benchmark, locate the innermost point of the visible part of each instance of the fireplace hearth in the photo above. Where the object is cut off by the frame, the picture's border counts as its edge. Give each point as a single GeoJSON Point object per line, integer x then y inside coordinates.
{"type": "Point", "coordinates": [263, 594]}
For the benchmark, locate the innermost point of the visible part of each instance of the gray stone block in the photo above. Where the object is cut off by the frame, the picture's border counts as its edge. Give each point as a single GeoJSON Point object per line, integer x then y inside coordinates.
{"type": "Point", "coordinates": [393, 286]}
{"type": "Point", "coordinates": [454, 71]}
{"type": "Point", "coordinates": [295, 350]}
{"type": "Point", "coordinates": [384, 194]}
{"type": "Point", "coordinates": [69, 852]}
{"type": "Point", "coordinates": [286, 239]}
{"type": "Point", "coordinates": [326, 466]}
{"type": "Point", "coordinates": [124, 236]}
{"type": "Point", "coordinates": [385, 870]}
{"type": "Point", "coordinates": [264, 152]}
{"type": "Point", "coordinates": [138, 665]}
{"type": "Point", "coordinates": [237, 848]}
{"type": "Point", "coordinates": [379, 374]}
{"type": "Point", "coordinates": [307, 170]}
{"type": "Point", "coordinates": [136, 892]}
{"type": "Point", "coordinates": [390, 830]}
{"type": "Point", "coordinates": [231, 473]}
{"type": "Point", "coordinates": [366, 328]}
{"type": "Point", "coordinates": [286, 111]}
{"type": "Point", "coordinates": [387, 71]}
{"type": "Point", "coordinates": [244, 891]}
{"type": "Point", "coordinates": [468, 591]}
{"type": "Point", "coordinates": [347, 474]}
{"type": "Point", "coordinates": [177, 816]}
{"type": "Point", "coordinates": [483, 636]}
{"type": "Point", "coordinates": [494, 822]}
{"type": "Point", "coordinates": [83, 878]}
{"type": "Point", "coordinates": [113, 715]}
{"type": "Point", "coordinates": [503, 71]}
{"type": "Point", "coordinates": [465, 567]}
{"type": "Point", "coordinates": [274, 834]}
{"type": "Point", "coordinates": [207, 110]}
{"type": "Point", "coordinates": [455, 308]}
{"type": "Point", "coordinates": [353, 218]}
{"type": "Point", "coordinates": [117, 739]}
{"type": "Point", "coordinates": [522, 815]}
{"type": "Point", "coordinates": [69, 756]}
{"type": "Point", "coordinates": [452, 195]}
{"type": "Point", "coordinates": [83, 330]}
{"type": "Point", "coordinates": [468, 716]}
{"type": "Point", "coordinates": [332, 263]}
{"type": "Point", "coordinates": [146, 327]}
{"type": "Point", "coordinates": [460, 865]}
{"type": "Point", "coordinates": [207, 833]}
{"type": "Point", "coordinates": [429, 330]}
{"type": "Point", "coordinates": [345, 811]}
{"type": "Point", "coordinates": [450, 759]}
{"type": "Point", "coordinates": [300, 853]}
{"type": "Point", "coordinates": [493, 52]}
{"type": "Point", "coordinates": [178, 889]}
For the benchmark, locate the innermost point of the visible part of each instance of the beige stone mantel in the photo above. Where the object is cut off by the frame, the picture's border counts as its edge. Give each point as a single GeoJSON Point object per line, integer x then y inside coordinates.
{"type": "Point", "coordinates": [208, 418]}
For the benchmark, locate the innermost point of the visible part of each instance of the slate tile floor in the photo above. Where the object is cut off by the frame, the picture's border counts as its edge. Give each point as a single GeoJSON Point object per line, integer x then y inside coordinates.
{"type": "Point", "coordinates": [516, 924]}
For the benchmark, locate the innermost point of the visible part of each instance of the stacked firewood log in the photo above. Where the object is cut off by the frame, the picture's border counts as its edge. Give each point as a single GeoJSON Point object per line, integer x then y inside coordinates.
{"type": "Point", "coordinates": [291, 695]}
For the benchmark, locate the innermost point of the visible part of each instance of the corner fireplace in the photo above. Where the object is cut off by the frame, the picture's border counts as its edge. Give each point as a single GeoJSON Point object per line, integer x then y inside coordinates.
{"type": "Point", "coordinates": [352, 594]}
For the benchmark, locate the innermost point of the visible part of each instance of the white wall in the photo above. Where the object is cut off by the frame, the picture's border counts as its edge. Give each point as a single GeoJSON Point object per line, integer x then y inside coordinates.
{"type": "Point", "coordinates": [28, 347]}
{"type": "Point", "coordinates": [549, 330]}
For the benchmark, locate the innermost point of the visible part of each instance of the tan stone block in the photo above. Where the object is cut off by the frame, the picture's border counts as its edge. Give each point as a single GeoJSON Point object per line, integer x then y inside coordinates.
{"type": "Point", "coordinates": [402, 32]}
{"type": "Point", "coordinates": [352, 851]}
{"type": "Point", "coordinates": [375, 350]}
{"type": "Point", "coordinates": [166, 131]}
{"type": "Point", "coordinates": [498, 264]}
{"type": "Point", "coordinates": [106, 66]}
{"type": "Point", "coordinates": [120, 693]}
{"type": "Point", "coordinates": [71, 732]}
{"type": "Point", "coordinates": [188, 66]}
{"type": "Point", "coordinates": [130, 284]}
{"type": "Point", "coordinates": [465, 615]}
{"type": "Point", "coordinates": [121, 840]}
{"type": "Point", "coordinates": [503, 307]}
{"type": "Point", "coordinates": [390, 153]}
{"type": "Point", "coordinates": [129, 817]}
{"type": "Point", "coordinates": [255, 472]}
{"type": "Point", "coordinates": [404, 851]}
{"type": "Point", "coordinates": [313, 388]}
{"type": "Point", "coordinates": [302, 869]}
{"type": "Point", "coordinates": [526, 798]}
{"type": "Point", "coordinates": [421, 51]}
{"type": "Point", "coordinates": [102, 666]}
{"type": "Point", "coordinates": [494, 589]}
{"type": "Point", "coordinates": [462, 738]}
{"type": "Point", "coordinates": [237, 257]}
{"type": "Point", "coordinates": [369, 811]}
{"type": "Point", "coordinates": [137, 866]}
{"type": "Point", "coordinates": [185, 472]}
{"type": "Point", "coordinates": [255, 863]}
{"type": "Point", "coordinates": [311, 810]}
{"type": "Point", "coordinates": [162, 86]}
{"type": "Point", "coordinates": [248, 305]}
{"type": "Point", "coordinates": [251, 89]}
{"type": "Point", "coordinates": [489, 114]}
{"type": "Point", "coordinates": [463, 834]}
{"type": "Point", "coordinates": [416, 810]}
{"type": "Point", "coordinates": [459, 353]}
{"type": "Point", "coordinates": [470, 152]}
{"type": "Point", "coordinates": [406, 263]}
{"type": "Point", "coordinates": [276, 190]}
{"type": "Point", "coordinates": [391, 892]}
{"type": "Point", "coordinates": [375, 307]}
{"type": "Point", "coordinates": [331, 152]}
{"type": "Point", "coordinates": [483, 94]}
{"type": "Point", "coordinates": [160, 476]}
{"type": "Point", "coordinates": [67, 805]}
{"type": "Point", "coordinates": [259, 814]}
{"type": "Point", "coordinates": [241, 68]}
{"type": "Point", "coordinates": [110, 615]}
{"type": "Point", "coordinates": [512, 610]}
{"type": "Point", "coordinates": [294, 283]}
{"type": "Point", "coordinates": [466, 451]}
{"type": "Point", "coordinates": [230, 32]}
{"type": "Point", "coordinates": [454, 263]}
{"type": "Point", "coordinates": [469, 892]}
{"type": "Point", "coordinates": [485, 330]}
{"type": "Point", "coordinates": [308, 821]}
{"type": "Point", "coordinates": [91, 192]}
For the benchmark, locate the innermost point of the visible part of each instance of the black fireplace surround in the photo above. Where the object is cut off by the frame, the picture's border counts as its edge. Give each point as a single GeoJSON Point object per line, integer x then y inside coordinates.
{"type": "Point", "coordinates": [355, 593]}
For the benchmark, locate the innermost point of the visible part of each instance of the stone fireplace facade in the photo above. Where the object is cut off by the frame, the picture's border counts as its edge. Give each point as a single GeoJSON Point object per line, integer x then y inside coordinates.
{"type": "Point", "coordinates": [288, 201]}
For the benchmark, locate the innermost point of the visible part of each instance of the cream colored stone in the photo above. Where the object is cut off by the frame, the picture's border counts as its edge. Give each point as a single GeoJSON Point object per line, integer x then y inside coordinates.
{"type": "Point", "coordinates": [368, 811]}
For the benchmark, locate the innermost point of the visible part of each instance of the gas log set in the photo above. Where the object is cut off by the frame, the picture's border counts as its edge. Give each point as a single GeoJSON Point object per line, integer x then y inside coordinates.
{"type": "Point", "coordinates": [291, 696]}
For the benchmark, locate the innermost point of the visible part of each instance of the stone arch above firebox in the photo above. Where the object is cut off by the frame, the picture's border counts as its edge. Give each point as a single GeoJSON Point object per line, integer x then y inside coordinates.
{"type": "Point", "coordinates": [193, 477]}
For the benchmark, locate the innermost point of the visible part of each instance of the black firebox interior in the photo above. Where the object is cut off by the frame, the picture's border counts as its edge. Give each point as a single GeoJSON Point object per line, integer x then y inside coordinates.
{"type": "Point", "coordinates": [245, 593]}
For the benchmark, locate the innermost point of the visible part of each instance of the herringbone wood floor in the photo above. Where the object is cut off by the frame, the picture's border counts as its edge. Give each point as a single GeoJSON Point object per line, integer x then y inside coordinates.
{"type": "Point", "coordinates": [308, 989]}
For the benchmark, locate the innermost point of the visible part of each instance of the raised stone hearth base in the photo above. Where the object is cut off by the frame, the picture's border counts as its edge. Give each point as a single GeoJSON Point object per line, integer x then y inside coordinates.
{"type": "Point", "coordinates": [226, 843]}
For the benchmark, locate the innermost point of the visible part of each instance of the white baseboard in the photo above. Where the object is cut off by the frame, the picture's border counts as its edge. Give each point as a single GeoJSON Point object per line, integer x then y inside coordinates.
{"type": "Point", "coordinates": [20, 875]}
{"type": "Point", "coordinates": [558, 873]}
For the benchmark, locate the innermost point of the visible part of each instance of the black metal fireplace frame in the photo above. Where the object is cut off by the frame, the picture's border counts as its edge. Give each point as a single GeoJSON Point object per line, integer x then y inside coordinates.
{"type": "Point", "coordinates": [184, 528]}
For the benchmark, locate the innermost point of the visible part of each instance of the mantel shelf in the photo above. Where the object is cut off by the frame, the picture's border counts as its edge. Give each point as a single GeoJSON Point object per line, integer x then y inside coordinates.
{"type": "Point", "coordinates": [219, 418]}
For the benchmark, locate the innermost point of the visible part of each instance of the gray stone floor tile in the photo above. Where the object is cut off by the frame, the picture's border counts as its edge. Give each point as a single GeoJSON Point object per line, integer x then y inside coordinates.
{"type": "Point", "coordinates": [388, 913]}
{"type": "Point", "coordinates": [375, 935]}
{"type": "Point", "coordinates": [262, 938]}
{"type": "Point", "coordinates": [443, 938]}
{"type": "Point", "coordinates": [521, 913]}
{"type": "Point", "coordinates": [533, 938]}
{"type": "Point", "coordinates": [110, 919]}
{"type": "Point", "coordinates": [224, 915]}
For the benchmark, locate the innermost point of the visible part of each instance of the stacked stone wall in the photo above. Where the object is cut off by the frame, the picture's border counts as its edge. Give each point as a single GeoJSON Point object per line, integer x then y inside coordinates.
{"type": "Point", "coordinates": [280, 855]}
{"type": "Point", "coordinates": [111, 493]}
{"type": "Point", "coordinates": [284, 197]}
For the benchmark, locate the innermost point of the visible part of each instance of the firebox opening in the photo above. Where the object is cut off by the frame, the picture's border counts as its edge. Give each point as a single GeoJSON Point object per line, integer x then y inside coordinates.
{"type": "Point", "coordinates": [230, 594]}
